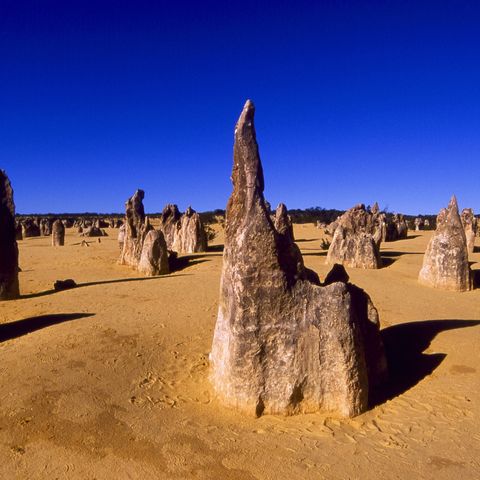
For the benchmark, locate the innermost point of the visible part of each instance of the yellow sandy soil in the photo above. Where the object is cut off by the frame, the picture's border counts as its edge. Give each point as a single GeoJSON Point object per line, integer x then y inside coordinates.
{"type": "Point", "coordinates": [110, 380]}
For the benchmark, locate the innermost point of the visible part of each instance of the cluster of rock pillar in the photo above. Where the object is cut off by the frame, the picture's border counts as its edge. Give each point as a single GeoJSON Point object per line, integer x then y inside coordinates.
{"type": "Point", "coordinates": [183, 233]}
{"type": "Point", "coordinates": [143, 247]}
{"type": "Point", "coordinates": [283, 341]}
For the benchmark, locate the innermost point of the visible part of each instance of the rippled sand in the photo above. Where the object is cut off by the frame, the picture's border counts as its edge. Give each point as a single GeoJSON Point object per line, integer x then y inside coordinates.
{"type": "Point", "coordinates": [110, 380]}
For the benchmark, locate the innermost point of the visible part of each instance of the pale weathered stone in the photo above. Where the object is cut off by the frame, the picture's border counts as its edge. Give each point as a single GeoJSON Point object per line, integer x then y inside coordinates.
{"type": "Point", "coordinates": [445, 263]}
{"type": "Point", "coordinates": [58, 233]}
{"type": "Point", "coordinates": [9, 287]}
{"type": "Point", "coordinates": [283, 222]}
{"type": "Point", "coordinates": [150, 258]}
{"type": "Point", "coordinates": [355, 242]}
{"type": "Point", "coordinates": [283, 343]}
{"type": "Point", "coordinates": [170, 223]}
{"type": "Point", "coordinates": [419, 224]}
{"type": "Point", "coordinates": [121, 236]}
{"type": "Point", "coordinates": [190, 235]}
{"type": "Point", "coordinates": [154, 257]}
{"type": "Point", "coordinates": [469, 223]}
{"type": "Point", "coordinates": [136, 228]}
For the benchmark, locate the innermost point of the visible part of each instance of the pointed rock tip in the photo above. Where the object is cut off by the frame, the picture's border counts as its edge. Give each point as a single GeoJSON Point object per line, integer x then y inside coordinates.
{"type": "Point", "coordinates": [247, 113]}
{"type": "Point", "coordinates": [453, 202]}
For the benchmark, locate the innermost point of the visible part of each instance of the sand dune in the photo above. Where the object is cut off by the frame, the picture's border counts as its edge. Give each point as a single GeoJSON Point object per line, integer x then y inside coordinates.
{"type": "Point", "coordinates": [110, 380]}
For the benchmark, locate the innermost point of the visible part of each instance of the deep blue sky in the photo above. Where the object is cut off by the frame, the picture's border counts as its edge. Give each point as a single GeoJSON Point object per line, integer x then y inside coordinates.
{"type": "Point", "coordinates": [356, 101]}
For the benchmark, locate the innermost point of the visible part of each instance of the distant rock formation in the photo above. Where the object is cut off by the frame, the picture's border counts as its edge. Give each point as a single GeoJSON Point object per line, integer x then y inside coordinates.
{"type": "Point", "coordinates": [121, 237]}
{"type": "Point", "coordinates": [93, 229]}
{"type": "Point", "coordinates": [445, 263]}
{"type": "Point", "coordinates": [9, 287]}
{"type": "Point", "coordinates": [469, 223]}
{"type": "Point", "coordinates": [283, 222]}
{"type": "Point", "coordinates": [189, 235]}
{"type": "Point", "coordinates": [283, 343]}
{"type": "Point", "coordinates": [30, 228]}
{"type": "Point", "coordinates": [58, 234]}
{"type": "Point", "coordinates": [46, 227]}
{"type": "Point", "coordinates": [419, 224]}
{"type": "Point", "coordinates": [396, 228]}
{"type": "Point", "coordinates": [169, 223]}
{"type": "Point", "coordinates": [147, 257]}
{"type": "Point", "coordinates": [355, 242]}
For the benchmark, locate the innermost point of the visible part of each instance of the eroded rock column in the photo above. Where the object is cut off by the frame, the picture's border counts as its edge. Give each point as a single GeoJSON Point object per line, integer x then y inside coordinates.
{"type": "Point", "coordinates": [282, 342]}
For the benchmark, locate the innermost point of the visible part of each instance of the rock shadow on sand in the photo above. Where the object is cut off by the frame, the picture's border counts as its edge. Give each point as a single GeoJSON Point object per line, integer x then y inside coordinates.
{"type": "Point", "coordinates": [407, 364]}
{"type": "Point", "coordinates": [9, 331]}
{"type": "Point", "coordinates": [100, 282]}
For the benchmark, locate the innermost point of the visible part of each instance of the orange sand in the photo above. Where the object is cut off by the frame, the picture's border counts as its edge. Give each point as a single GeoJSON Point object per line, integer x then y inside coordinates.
{"type": "Point", "coordinates": [115, 386]}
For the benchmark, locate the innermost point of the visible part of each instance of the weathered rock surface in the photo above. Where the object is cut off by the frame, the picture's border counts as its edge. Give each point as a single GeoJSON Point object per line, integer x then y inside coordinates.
{"type": "Point", "coordinates": [58, 233]}
{"type": "Point", "coordinates": [190, 235]}
{"type": "Point", "coordinates": [283, 343]}
{"type": "Point", "coordinates": [283, 222]}
{"type": "Point", "coordinates": [121, 237]}
{"type": "Point", "coordinates": [170, 223]}
{"type": "Point", "coordinates": [469, 223]}
{"type": "Point", "coordinates": [355, 242]}
{"type": "Point", "coordinates": [445, 263]}
{"type": "Point", "coordinates": [136, 228]}
{"type": "Point", "coordinates": [149, 258]}
{"type": "Point", "coordinates": [9, 287]}
{"type": "Point", "coordinates": [30, 228]}
{"type": "Point", "coordinates": [154, 257]}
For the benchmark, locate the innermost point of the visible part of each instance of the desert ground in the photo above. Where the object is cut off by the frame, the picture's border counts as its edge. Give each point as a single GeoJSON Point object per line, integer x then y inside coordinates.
{"type": "Point", "coordinates": [110, 380]}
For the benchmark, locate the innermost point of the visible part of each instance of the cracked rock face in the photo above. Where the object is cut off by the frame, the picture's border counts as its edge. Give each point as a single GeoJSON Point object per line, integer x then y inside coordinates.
{"type": "Point", "coordinates": [58, 233]}
{"type": "Point", "coordinates": [282, 342]}
{"type": "Point", "coordinates": [469, 223]}
{"type": "Point", "coordinates": [356, 239]}
{"type": "Point", "coordinates": [9, 287]}
{"type": "Point", "coordinates": [445, 263]}
{"type": "Point", "coordinates": [169, 223]}
{"type": "Point", "coordinates": [189, 236]}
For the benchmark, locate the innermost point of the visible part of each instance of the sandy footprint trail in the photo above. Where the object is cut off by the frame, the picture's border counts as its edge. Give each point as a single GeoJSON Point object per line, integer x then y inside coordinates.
{"type": "Point", "coordinates": [110, 380]}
